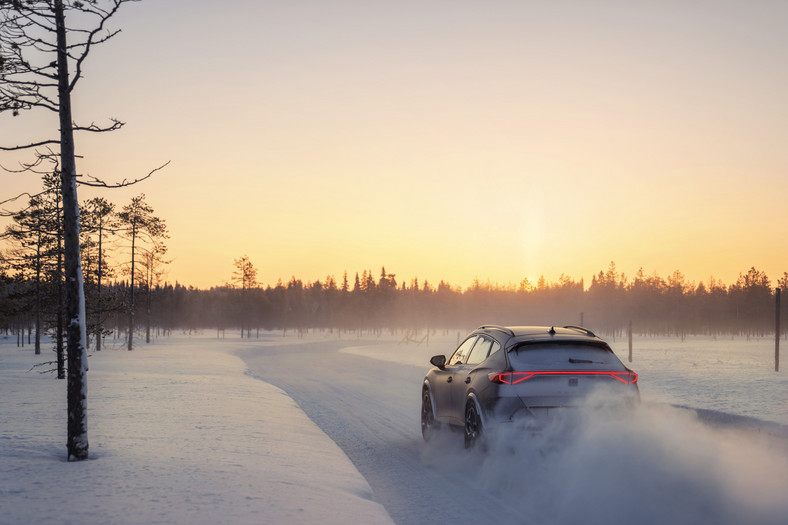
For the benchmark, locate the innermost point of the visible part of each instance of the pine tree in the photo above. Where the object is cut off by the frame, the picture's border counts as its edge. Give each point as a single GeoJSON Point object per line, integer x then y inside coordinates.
{"type": "Point", "coordinates": [245, 277]}
{"type": "Point", "coordinates": [98, 222]}
{"type": "Point", "coordinates": [37, 235]}
{"type": "Point", "coordinates": [143, 230]}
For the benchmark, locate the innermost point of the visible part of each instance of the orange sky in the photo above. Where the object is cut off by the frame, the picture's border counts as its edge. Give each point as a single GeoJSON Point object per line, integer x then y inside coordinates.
{"type": "Point", "coordinates": [446, 139]}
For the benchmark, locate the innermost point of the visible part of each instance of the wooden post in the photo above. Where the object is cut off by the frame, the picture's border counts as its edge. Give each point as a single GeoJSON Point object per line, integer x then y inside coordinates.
{"type": "Point", "coordinates": [629, 335]}
{"type": "Point", "coordinates": [777, 331]}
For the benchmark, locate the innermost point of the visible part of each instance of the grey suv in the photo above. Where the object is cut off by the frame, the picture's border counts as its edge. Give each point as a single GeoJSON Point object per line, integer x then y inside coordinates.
{"type": "Point", "coordinates": [499, 374]}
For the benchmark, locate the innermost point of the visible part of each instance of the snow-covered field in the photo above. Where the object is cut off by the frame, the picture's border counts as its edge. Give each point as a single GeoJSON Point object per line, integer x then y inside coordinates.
{"type": "Point", "coordinates": [731, 375]}
{"type": "Point", "coordinates": [193, 430]}
{"type": "Point", "coordinates": [180, 432]}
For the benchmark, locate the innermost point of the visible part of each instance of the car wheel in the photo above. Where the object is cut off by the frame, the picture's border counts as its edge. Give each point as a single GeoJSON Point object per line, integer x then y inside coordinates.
{"type": "Point", "coordinates": [473, 425]}
{"type": "Point", "coordinates": [428, 424]}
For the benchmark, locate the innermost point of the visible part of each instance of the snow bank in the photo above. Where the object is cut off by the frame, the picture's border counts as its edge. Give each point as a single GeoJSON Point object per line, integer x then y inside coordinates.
{"type": "Point", "coordinates": [180, 432]}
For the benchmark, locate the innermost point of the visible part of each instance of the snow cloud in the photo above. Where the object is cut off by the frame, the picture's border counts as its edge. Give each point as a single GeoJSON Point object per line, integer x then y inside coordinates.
{"type": "Point", "coordinates": [646, 464]}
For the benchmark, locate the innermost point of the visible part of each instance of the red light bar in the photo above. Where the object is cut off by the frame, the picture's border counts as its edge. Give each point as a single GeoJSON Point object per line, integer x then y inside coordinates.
{"type": "Point", "coordinates": [512, 378]}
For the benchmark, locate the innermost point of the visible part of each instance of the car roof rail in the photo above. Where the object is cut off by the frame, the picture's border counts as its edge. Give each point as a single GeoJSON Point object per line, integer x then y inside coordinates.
{"type": "Point", "coordinates": [581, 329]}
{"type": "Point", "coordinates": [503, 329]}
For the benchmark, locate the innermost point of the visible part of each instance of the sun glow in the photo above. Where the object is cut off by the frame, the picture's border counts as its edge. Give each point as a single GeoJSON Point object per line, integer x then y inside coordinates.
{"type": "Point", "coordinates": [446, 142]}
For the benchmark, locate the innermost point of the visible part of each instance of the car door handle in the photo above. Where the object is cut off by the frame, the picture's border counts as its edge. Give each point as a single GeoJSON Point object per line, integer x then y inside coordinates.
{"type": "Point", "coordinates": [467, 380]}
{"type": "Point", "coordinates": [449, 380]}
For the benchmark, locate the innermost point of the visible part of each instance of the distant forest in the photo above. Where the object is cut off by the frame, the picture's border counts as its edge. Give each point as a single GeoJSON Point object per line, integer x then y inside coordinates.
{"type": "Point", "coordinates": [374, 304]}
{"type": "Point", "coordinates": [124, 261]}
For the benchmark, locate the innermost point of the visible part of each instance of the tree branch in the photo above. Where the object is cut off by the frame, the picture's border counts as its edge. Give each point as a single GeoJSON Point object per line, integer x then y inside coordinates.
{"type": "Point", "coordinates": [104, 16]}
{"type": "Point", "coordinates": [28, 146]}
{"type": "Point", "coordinates": [116, 124]}
{"type": "Point", "coordinates": [98, 183]}
{"type": "Point", "coordinates": [6, 213]}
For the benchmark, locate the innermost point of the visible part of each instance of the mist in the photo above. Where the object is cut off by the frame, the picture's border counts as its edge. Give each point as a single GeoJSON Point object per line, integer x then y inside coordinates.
{"type": "Point", "coordinates": [644, 464]}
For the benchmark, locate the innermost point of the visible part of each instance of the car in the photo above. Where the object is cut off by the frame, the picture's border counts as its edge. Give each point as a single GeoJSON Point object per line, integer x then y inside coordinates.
{"type": "Point", "coordinates": [503, 374]}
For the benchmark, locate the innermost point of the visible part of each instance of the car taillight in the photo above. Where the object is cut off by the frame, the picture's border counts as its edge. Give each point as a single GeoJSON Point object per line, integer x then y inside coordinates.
{"type": "Point", "coordinates": [512, 378]}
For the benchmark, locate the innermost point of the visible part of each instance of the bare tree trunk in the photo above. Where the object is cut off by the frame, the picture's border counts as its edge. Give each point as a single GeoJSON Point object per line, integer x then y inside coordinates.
{"type": "Point", "coordinates": [147, 312]}
{"type": "Point", "coordinates": [131, 290]}
{"type": "Point", "coordinates": [77, 442]}
{"type": "Point", "coordinates": [777, 330]}
{"type": "Point", "coordinates": [61, 361]}
{"type": "Point", "coordinates": [38, 291]}
{"type": "Point", "coordinates": [98, 293]}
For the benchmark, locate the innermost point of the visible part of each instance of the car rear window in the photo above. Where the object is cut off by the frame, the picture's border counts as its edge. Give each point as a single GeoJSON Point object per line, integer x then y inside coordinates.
{"type": "Point", "coordinates": [562, 356]}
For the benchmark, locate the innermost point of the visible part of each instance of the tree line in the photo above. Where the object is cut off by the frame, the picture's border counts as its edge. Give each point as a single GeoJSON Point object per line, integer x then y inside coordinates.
{"type": "Point", "coordinates": [376, 303]}
{"type": "Point", "coordinates": [653, 304]}
{"type": "Point", "coordinates": [115, 242]}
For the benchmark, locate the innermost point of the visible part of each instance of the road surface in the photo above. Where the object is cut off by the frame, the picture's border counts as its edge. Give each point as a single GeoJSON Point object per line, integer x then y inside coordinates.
{"type": "Point", "coordinates": [662, 465]}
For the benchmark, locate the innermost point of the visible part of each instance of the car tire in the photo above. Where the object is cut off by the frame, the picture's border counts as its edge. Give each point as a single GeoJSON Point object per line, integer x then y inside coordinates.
{"type": "Point", "coordinates": [473, 425]}
{"type": "Point", "coordinates": [428, 424]}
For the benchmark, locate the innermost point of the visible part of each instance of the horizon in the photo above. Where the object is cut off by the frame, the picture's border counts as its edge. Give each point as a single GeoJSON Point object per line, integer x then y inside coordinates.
{"type": "Point", "coordinates": [627, 278]}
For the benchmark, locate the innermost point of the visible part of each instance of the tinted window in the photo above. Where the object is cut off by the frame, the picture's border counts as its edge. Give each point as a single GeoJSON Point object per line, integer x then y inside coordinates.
{"type": "Point", "coordinates": [495, 347]}
{"type": "Point", "coordinates": [462, 352]}
{"type": "Point", "coordinates": [564, 357]}
{"type": "Point", "coordinates": [480, 351]}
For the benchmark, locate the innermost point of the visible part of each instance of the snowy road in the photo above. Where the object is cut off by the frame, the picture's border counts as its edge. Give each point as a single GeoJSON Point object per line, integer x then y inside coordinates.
{"type": "Point", "coordinates": [370, 408]}
{"type": "Point", "coordinates": [663, 465]}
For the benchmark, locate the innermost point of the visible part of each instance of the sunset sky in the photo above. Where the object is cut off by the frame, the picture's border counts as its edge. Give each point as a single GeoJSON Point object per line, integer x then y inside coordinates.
{"type": "Point", "coordinates": [445, 139]}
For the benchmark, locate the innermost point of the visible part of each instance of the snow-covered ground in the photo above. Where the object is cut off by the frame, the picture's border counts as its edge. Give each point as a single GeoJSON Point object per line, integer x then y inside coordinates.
{"type": "Point", "coordinates": [727, 374]}
{"type": "Point", "coordinates": [180, 432]}
{"type": "Point", "coordinates": [191, 429]}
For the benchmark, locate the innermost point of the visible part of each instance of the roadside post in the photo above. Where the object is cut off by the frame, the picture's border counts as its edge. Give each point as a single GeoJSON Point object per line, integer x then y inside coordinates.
{"type": "Point", "coordinates": [777, 330]}
{"type": "Point", "coordinates": [629, 336]}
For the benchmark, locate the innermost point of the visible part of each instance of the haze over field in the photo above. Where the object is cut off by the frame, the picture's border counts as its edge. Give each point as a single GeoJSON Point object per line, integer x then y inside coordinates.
{"type": "Point", "coordinates": [319, 137]}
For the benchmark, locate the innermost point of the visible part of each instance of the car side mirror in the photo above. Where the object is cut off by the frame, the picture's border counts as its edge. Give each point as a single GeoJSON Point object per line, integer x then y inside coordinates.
{"type": "Point", "coordinates": [439, 361]}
